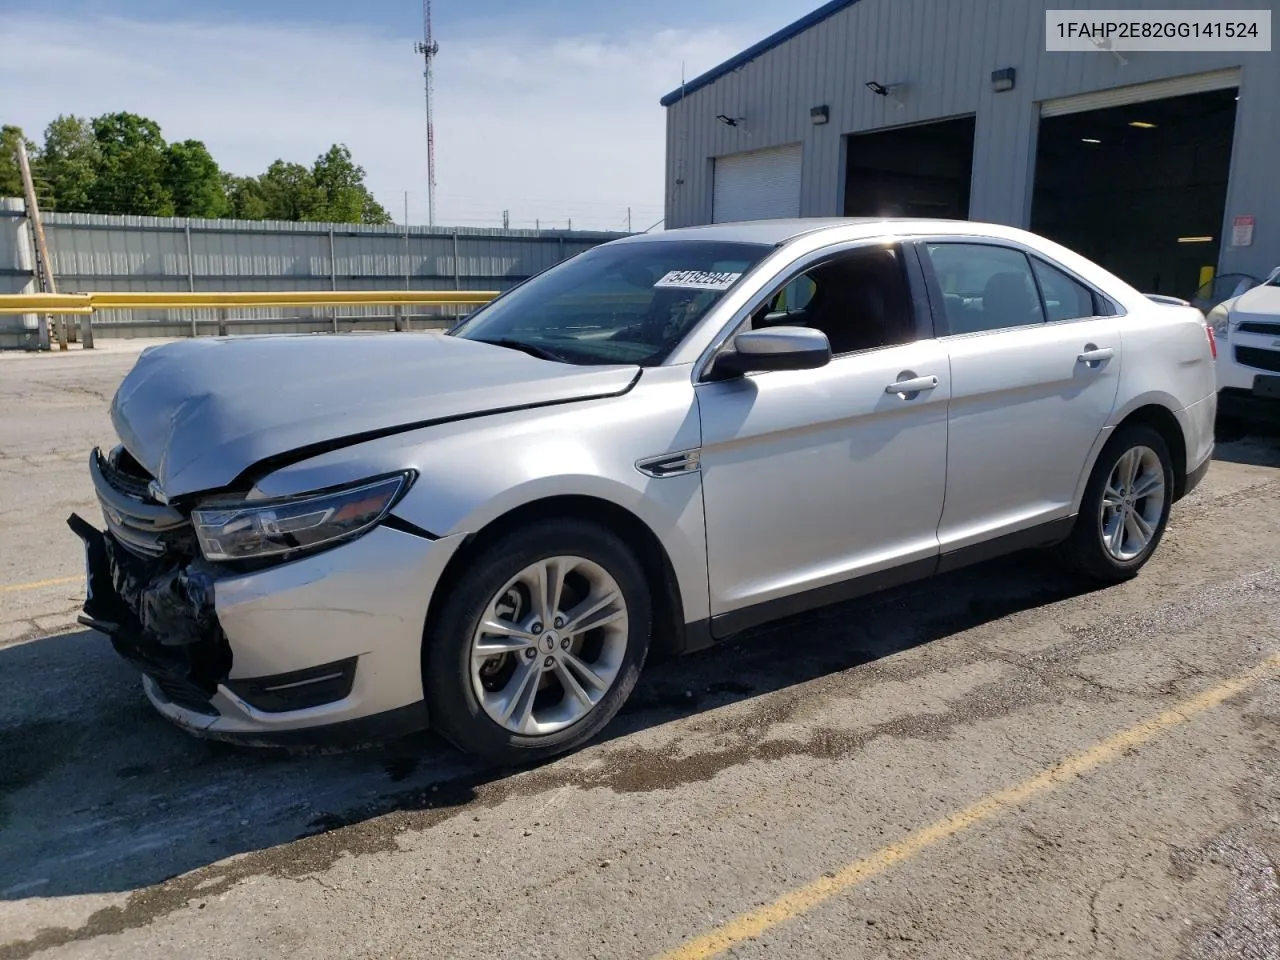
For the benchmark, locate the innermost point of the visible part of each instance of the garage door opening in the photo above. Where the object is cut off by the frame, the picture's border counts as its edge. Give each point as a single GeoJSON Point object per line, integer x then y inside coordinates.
{"type": "Point", "coordinates": [924, 170]}
{"type": "Point", "coordinates": [1139, 188]}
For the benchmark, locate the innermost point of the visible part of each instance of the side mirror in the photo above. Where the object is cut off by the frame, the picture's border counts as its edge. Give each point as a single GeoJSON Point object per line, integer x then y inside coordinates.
{"type": "Point", "coordinates": [774, 348]}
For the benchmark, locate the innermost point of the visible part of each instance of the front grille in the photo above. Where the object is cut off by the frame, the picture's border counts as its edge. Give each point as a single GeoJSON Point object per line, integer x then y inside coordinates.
{"type": "Point", "coordinates": [135, 519]}
{"type": "Point", "coordinates": [1255, 326]}
{"type": "Point", "coordinates": [1259, 359]}
{"type": "Point", "coordinates": [125, 474]}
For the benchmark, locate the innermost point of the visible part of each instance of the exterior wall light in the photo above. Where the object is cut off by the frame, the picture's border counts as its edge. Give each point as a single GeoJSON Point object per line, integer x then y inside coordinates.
{"type": "Point", "coordinates": [1002, 80]}
{"type": "Point", "coordinates": [820, 115]}
{"type": "Point", "coordinates": [888, 91]}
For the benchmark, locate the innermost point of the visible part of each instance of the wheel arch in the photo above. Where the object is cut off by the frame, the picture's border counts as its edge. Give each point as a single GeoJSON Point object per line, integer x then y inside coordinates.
{"type": "Point", "coordinates": [669, 632]}
{"type": "Point", "coordinates": [1161, 419]}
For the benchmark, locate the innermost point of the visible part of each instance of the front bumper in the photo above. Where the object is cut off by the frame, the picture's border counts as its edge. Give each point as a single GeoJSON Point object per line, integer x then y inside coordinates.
{"type": "Point", "coordinates": [322, 648]}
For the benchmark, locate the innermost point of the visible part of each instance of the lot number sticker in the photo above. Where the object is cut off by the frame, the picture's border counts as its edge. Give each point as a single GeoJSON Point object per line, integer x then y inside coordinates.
{"type": "Point", "coordinates": [698, 280]}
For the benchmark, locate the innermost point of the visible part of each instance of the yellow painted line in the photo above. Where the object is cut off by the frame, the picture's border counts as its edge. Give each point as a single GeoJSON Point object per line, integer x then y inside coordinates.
{"type": "Point", "coordinates": [37, 584]}
{"type": "Point", "coordinates": [748, 926]}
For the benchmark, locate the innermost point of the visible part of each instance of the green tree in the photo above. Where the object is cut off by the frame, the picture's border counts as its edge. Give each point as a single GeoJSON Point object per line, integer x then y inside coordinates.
{"type": "Point", "coordinates": [68, 163]}
{"type": "Point", "coordinates": [289, 192]}
{"type": "Point", "coordinates": [194, 181]}
{"type": "Point", "coordinates": [245, 198]}
{"type": "Point", "coordinates": [119, 163]}
{"type": "Point", "coordinates": [344, 197]}
{"type": "Point", "coordinates": [131, 168]}
{"type": "Point", "coordinates": [10, 175]}
{"type": "Point", "coordinates": [372, 211]}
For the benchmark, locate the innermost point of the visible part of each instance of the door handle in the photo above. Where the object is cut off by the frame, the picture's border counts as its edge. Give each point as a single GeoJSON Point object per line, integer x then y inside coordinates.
{"type": "Point", "coordinates": [1094, 355]}
{"type": "Point", "coordinates": [910, 387]}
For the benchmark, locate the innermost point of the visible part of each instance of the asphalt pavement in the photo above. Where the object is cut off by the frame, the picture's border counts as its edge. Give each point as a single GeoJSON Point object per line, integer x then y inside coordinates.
{"type": "Point", "coordinates": [1004, 762]}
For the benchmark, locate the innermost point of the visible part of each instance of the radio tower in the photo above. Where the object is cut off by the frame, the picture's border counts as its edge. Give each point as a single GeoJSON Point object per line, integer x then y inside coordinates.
{"type": "Point", "coordinates": [428, 48]}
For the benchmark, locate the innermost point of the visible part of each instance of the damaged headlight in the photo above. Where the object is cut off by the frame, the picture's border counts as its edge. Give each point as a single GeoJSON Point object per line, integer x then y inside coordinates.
{"type": "Point", "coordinates": [249, 530]}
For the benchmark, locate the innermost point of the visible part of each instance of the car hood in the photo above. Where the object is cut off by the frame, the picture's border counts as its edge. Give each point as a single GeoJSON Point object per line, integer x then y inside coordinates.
{"type": "Point", "coordinates": [1260, 302]}
{"type": "Point", "coordinates": [199, 413]}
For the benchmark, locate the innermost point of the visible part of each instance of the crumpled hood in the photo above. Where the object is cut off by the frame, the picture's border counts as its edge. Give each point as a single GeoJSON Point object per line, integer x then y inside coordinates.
{"type": "Point", "coordinates": [198, 413]}
{"type": "Point", "coordinates": [1260, 303]}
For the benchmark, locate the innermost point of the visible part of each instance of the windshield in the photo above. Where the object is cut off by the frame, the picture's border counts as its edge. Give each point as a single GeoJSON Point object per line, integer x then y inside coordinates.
{"type": "Point", "coordinates": [619, 303]}
{"type": "Point", "coordinates": [1274, 279]}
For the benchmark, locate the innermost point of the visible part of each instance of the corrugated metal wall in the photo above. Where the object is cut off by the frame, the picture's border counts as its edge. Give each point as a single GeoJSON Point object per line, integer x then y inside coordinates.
{"type": "Point", "coordinates": [944, 52]}
{"type": "Point", "coordinates": [91, 252]}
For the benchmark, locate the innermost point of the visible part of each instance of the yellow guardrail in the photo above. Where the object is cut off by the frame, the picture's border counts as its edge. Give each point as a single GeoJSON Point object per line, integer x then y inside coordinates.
{"type": "Point", "coordinates": [88, 303]}
{"type": "Point", "coordinates": [45, 303]}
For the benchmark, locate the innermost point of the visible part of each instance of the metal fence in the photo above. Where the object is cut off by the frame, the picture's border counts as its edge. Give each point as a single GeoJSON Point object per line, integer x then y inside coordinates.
{"type": "Point", "coordinates": [92, 252]}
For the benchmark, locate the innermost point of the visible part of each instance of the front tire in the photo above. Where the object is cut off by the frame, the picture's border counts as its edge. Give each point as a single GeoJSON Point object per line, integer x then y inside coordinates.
{"type": "Point", "coordinates": [1125, 507]}
{"type": "Point", "coordinates": [539, 643]}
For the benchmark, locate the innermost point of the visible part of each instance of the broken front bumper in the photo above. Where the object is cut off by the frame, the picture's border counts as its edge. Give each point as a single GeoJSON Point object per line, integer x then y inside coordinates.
{"type": "Point", "coordinates": [158, 615]}
{"type": "Point", "coordinates": [327, 645]}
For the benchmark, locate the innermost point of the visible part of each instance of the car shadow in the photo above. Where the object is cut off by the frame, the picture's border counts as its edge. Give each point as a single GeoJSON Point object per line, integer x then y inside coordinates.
{"type": "Point", "coordinates": [1259, 447]}
{"type": "Point", "coordinates": [100, 794]}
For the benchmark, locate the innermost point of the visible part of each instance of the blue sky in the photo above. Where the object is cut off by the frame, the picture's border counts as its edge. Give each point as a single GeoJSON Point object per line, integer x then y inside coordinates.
{"type": "Point", "coordinates": [547, 109]}
{"type": "Point", "coordinates": [401, 16]}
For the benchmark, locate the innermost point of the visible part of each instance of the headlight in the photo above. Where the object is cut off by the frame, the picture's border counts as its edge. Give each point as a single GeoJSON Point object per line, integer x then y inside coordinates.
{"type": "Point", "coordinates": [1219, 318]}
{"type": "Point", "coordinates": [253, 529]}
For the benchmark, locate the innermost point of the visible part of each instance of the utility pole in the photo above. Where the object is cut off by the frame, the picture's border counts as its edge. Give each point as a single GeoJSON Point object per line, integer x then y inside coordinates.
{"type": "Point", "coordinates": [506, 219]}
{"type": "Point", "coordinates": [44, 273]}
{"type": "Point", "coordinates": [628, 219]}
{"type": "Point", "coordinates": [406, 240]}
{"type": "Point", "coordinates": [428, 48]}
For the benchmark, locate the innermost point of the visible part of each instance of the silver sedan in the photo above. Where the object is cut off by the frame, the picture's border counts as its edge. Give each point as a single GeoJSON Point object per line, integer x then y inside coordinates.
{"type": "Point", "coordinates": [656, 444]}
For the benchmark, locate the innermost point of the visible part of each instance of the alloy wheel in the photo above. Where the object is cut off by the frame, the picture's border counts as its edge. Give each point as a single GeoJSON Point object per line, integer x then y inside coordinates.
{"type": "Point", "coordinates": [549, 646]}
{"type": "Point", "coordinates": [1133, 503]}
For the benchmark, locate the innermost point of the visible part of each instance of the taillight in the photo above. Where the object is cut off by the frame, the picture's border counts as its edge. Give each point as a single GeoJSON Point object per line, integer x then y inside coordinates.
{"type": "Point", "coordinates": [1213, 342]}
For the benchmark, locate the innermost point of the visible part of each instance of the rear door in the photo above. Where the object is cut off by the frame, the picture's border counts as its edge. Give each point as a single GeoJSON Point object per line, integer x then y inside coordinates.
{"type": "Point", "coordinates": [1035, 364]}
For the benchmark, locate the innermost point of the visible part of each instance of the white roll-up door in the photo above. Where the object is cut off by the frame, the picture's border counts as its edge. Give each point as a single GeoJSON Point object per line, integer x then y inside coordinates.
{"type": "Point", "coordinates": [1142, 92]}
{"type": "Point", "coordinates": [758, 185]}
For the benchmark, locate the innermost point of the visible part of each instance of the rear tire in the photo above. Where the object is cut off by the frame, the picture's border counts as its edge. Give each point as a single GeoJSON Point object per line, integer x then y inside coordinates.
{"type": "Point", "coordinates": [539, 643]}
{"type": "Point", "coordinates": [1125, 507]}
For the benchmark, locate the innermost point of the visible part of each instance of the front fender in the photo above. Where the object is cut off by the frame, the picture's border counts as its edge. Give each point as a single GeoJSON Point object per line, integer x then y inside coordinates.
{"type": "Point", "coordinates": [473, 472]}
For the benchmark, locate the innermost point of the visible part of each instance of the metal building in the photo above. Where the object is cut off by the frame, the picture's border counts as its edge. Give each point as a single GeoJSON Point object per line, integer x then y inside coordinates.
{"type": "Point", "coordinates": [1159, 165]}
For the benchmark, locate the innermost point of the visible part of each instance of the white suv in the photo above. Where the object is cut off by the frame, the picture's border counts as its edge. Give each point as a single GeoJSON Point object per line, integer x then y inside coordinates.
{"type": "Point", "coordinates": [1247, 329]}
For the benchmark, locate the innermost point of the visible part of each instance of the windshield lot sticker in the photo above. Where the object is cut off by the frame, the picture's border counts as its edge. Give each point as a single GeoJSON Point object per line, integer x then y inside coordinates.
{"type": "Point", "coordinates": [698, 280]}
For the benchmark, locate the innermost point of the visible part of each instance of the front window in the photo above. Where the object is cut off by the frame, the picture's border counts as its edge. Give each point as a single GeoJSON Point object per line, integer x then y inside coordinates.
{"type": "Point", "coordinates": [860, 299]}
{"type": "Point", "coordinates": [621, 303]}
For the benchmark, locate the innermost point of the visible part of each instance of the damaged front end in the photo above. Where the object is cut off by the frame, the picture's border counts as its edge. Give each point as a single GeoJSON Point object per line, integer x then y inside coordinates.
{"type": "Point", "coordinates": [149, 588]}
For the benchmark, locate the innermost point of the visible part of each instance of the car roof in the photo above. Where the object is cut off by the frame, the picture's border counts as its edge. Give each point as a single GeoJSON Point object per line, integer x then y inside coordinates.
{"type": "Point", "coordinates": [778, 232]}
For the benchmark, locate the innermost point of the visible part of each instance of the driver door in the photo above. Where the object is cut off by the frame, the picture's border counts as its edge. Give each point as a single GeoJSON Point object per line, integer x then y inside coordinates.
{"type": "Point", "coordinates": [821, 484]}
